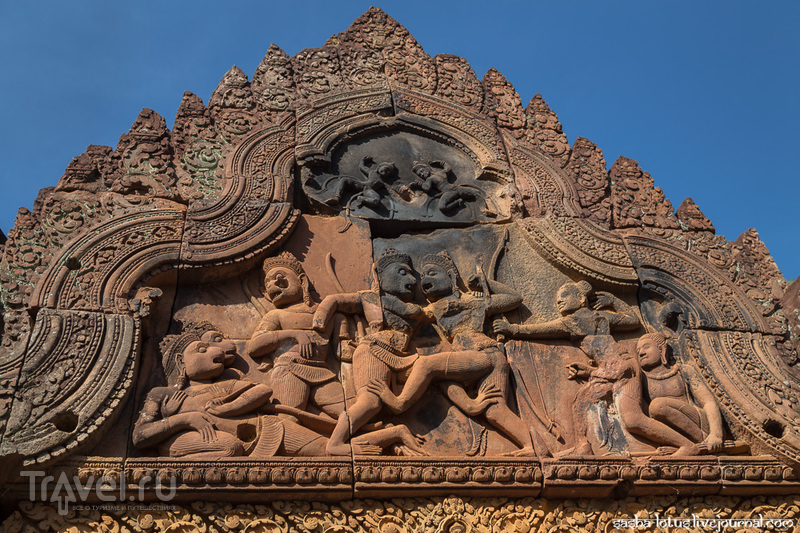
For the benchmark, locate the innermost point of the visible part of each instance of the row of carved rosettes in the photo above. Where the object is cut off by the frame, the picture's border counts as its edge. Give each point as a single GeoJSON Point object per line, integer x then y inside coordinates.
{"type": "Point", "coordinates": [335, 479]}
{"type": "Point", "coordinates": [414, 515]}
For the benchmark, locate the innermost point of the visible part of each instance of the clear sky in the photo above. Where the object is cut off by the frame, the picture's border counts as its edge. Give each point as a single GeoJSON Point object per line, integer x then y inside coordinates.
{"type": "Point", "coordinates": [704, 94]}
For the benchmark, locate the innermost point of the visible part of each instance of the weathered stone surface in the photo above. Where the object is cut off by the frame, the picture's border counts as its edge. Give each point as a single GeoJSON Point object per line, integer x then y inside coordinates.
{"type": "Point", "coordinates": [366, 273]}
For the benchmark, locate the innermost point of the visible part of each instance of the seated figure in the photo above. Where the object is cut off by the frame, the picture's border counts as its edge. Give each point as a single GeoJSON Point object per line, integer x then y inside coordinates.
{"type": "Point", "coordinates": [668, 403]}
{"type": "Point", "coordinates": [198, 415]}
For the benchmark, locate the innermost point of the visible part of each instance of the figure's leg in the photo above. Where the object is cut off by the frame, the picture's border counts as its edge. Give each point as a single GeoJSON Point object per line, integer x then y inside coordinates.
{"type": "Point", "coordinates": [463, 366]}
{"type": "Point", "coordinates": [190, 445]}
{"type": "Point", "coordinates": [512, 426]}
{"type": "Point", "coordinates": [287, 388]}
{"type": "Point", "coordinates": [329, 397]}
{"type": "Point", "coordinates": [351, 420]}
{"type": "Point", "coordinates": [678, 414]}
{"type": "Point", "coordinates": [338, 191]}
{"type": "Point", "coordinates": [587, 395]}
{"type": "Point", "coordinates": [370, 198]}
{"type": "Point", "coordinates": [392, 435]}
{"type": "Point", "coordinates": [366, 368]}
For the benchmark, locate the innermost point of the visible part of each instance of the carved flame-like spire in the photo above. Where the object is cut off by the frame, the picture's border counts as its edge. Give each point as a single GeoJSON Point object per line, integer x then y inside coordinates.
{"type": "Point", "coordinates": [502, 102]}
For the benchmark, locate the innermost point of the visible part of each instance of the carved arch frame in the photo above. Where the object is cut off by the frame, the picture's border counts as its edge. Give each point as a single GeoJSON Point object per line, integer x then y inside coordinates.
{"type": "Point", "coordinates": [255, 215]}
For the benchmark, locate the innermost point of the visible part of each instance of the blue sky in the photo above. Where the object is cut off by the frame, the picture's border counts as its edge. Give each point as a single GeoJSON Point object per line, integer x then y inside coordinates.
{"type": "Point", "coordinates": [702, 94]}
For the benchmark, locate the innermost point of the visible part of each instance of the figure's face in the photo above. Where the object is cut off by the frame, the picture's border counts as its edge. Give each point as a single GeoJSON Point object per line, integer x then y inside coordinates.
{"type": "Point", "coordinates": [227, 346]}
{"type": "Point", "coordinates": [398, 279]}
{"type": "Point", "coordinates": [568, 299]}
{"type": "Point", "coordinates": [649, 353]}
{"type": "Point", "coordinates": [283, 286]}
{"type": "Point", "coordinates": [435, 282]}
{"type": "Point", "coordinates": [385, 170]}
{"type": "Point", "coordinates": [204, 360]}
{"type": "Point", "coordinates": [423, 172]}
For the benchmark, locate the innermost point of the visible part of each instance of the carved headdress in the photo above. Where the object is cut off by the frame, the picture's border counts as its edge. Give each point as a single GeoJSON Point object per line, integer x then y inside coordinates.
{"type": "Point", "coordinates": [661, 341]}
{"type": "Point", "coordinates": [285, 260]}
{"type": "Point", "coordinates": [444, 260]}
{"type": "Point", "coordinates": [389, 256]}
{"type": "Point", "coordinates": [290, 262]}
{"type": "Point", "coordinates": [172, 348]}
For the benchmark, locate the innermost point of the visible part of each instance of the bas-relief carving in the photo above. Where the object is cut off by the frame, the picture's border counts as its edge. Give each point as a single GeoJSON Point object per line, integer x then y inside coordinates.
{"type": "Point", "coordinates": [405, 176]}
{"type": "Point", "coordinates": [419, 514]}
{"type": "Point", "coordinates": [431, 334]}
{"type": "Point", "coordinates": [371, 260]}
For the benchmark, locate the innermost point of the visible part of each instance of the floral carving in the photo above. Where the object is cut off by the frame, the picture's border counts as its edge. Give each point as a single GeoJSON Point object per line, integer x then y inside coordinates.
{"type": "Point", "coordinates": [587, 167]}
{"type": "Point", "coordinates": [502, 103]}
{"type": "Point", "coordinates": [457, 82]}
{"type": "Point", "coordinates": [544, 130]}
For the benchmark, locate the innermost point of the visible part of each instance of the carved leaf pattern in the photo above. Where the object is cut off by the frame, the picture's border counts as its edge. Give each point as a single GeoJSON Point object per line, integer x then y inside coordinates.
{"type": "Point", "coordinates": [417, 515]}
{"type": "Point", "coordinates": [587, 167]}
{"type": "Point", "coordinates": [542, 129]}
{"type": "Point", "coordinates": [502, 103]}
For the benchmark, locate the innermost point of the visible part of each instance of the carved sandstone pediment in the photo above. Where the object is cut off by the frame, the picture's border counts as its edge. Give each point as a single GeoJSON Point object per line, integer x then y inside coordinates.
{"type": "Point", "coordinates": [366, 272]}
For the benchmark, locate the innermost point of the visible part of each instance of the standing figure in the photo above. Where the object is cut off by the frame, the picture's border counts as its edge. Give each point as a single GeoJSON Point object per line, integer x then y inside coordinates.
{"type": "Point", "coordinates": [668, 403]}
{"type": "Point", "coordinates": [591, 327]}
{"type": "Point", "coordinates": [383, 355]}
{"type": "Point", "coordinates": [460, 318]}
{"type": "Point", "coordinates": [300, 372]}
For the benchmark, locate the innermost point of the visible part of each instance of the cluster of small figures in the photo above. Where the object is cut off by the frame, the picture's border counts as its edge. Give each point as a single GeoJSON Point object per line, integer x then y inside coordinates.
{"type": "Point", "coordinates": [432, 180]}
{"type": "Point", "coordinates": [210, 410]}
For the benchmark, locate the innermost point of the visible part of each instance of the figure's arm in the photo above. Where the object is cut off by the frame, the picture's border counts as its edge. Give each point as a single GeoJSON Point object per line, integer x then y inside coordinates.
{"type": "Point", "coordinates": [264, 342]}
{"type": "Point", "coordinates": [554, 329]}
{"type": "Point", "coordinates": [150, 429]}
{"type": "Point", "coordinates": [347, 302]}
{"type": "Point", "coordinates": [446, 168]}
{"type": "Point", "coordinates": [621, 317]}
{"type": "Point", "coordinates": [406, 310]}
{"type": "Point", "coordinates": [245, 398]}
{"type": "Point", "coordinates": [503, 298]}
{"type": "Point", "coordinates": [362, 166]}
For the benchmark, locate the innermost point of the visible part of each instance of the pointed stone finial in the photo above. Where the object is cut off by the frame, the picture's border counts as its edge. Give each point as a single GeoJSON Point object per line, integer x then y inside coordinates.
{"type": "Point", "coordinates": [544, 130]}
{"type": "Point", "coordinates": [407, 64]}
{"type": "Point", "coordinates": [587, 167]}
{"type": "Point", "coordinates": [637, 202]}
{"type": "Point", "coordinates": [374, 30]}
{"type": "Point", "coordinates": [691, 218]}
{"type": "Point", "coordinates": [86, 172]}
{"type": "Point", "coordinates": [192, 106]}
{"type": "Point", "coordinates": [233, 92]}
{"type": "Point", "coordinates": [502, 102]}
{"type": "Point", "coordinates": [757, 271]}
{"type": "Point", "coordinates": [457, 81]}
{"type": "Point", "coordinates": [143, 158]}
{"type": "Point", "coordinates": [273, 82]}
